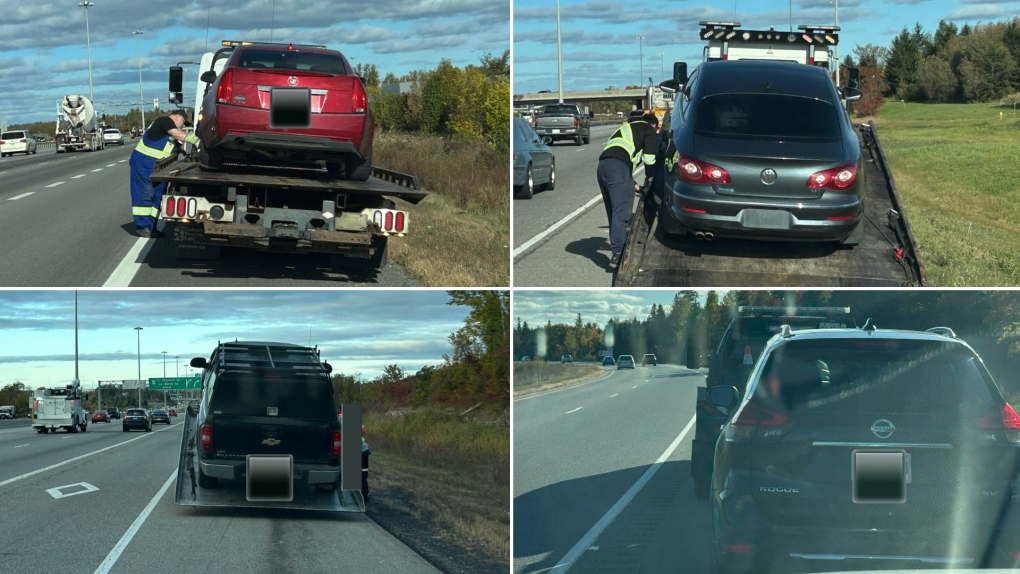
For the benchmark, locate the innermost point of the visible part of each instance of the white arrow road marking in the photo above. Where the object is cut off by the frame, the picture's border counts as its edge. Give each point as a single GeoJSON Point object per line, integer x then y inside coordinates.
{"type": "Point", "coordinates": [58, 491]}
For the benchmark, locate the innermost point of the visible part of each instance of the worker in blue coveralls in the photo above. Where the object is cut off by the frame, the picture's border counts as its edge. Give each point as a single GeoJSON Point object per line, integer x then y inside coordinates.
{"type": "Point", "coordinates": [157, 143]}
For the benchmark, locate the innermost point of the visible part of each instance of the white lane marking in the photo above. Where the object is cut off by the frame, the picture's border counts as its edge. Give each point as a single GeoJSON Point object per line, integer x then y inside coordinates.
{"type": "Point", "coordinates": [21, 445]}
{"type": "Point", "coordinates": [95, 170]}
{"type": "Point", "coordinates": [58, 491]}
{"type": "Point", "coordinates": [17, 197]}
{"type": "Point", "coordinates": [86, 455]}
{"type": "Point", "coordinates": [616, 395]}
{"type": "Point", "coordinates": [129, 266]}
{"type": "Point", "coordinates": [121, 545]}
{"type": "Point", "coordinates": [3, 172]}
{"type": "Point", "coordinates": [79, 175]}
{"type": "Point", "coordinates": [527, 244]}
{"type": "Point", "coordinates": [55, 184]}
{"type": "Point", "coordinates": [122, 161]}
{"type": "Point", "coordinates": [66, 437]}
{"type": "Point", "coordinates": [634, 387]}
{"type": "Point", "coordinates": [574, 411]}
{"type": "Point", "coordinates": [110, 164]}
{"type": "Point", "coordinates": [588, 539]}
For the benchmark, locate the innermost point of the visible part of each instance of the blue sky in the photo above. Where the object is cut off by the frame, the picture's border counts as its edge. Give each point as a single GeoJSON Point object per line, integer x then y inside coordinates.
{"type": "Point", "coordinates": [600, 47]}
{"type": "Point", "coordinates": [44, 44]}
{"type": "Point", "coordinates": [538, 307]}
{"type": "Point", "coordinates": [358, 331]}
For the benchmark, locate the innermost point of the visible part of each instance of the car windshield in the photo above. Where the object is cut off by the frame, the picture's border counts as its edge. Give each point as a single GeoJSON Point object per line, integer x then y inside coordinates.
{"type": "Point", "coordinates": [771, 117]}
{"type": "Point", "coordinates": [325, 63]}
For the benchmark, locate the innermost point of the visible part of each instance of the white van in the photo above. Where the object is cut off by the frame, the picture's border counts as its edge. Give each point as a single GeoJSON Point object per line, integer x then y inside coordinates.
{"type": "Point", "coordinates": [17, 141]}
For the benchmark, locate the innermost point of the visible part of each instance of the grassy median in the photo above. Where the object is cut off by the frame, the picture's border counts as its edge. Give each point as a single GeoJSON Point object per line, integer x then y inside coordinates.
{"type": "Point", "coordinates": [957, 168]}
{"type": "Point", "coordinates": [460, 234]}
{"type": "Point", "coordinates": [453, 469]}
{"type": "Point", "coordinates": [538, 375]}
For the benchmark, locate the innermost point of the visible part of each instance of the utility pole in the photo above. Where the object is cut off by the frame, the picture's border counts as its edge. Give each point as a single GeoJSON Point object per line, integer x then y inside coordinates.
{"type": "Point", "coordinates": [837, 45]}
{"type": "Point", "coordinates": [139, 329]}
{"type": "Point", "coordinates": [88, 44]}
{"type": "Point", "coordinates": [641, 59]}
{"type": "Point", "coordinates": [662, 72]}
{"type": "Point", "coordinates": [559, 51]}
{"type": "Point", "coordinates": [141, 94]}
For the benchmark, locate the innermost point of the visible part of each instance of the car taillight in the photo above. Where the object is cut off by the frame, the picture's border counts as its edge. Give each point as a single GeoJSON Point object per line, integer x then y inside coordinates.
{"type": "Point", "coordinates": [1004, 418]}
{"type": "Point", "coordinates": [360, 98]}
{"type": "Point", "coordinates": [335, 451]}
{"type": "Point", "coordinates": [24, 141]}
{"type": "Point", "coordinates": [838, 178]}
{"type": "Point", "coordinates": [576, 122]}
{"type": "Point", "coordinates": [181, 207]}
{"type": "Point", "coordinates": [224, 88]}
{"type": "Point", "coordinates": [752, 415]}
{"type": "Point", "coordinates": [697, 171]}
{"type": "Point", "coordinates": [400, 222]}
{"type": "Point", "coordinates": [388, 218]}
{"type": "Point", "coordinates": [206, 435]}
{"type": "Point", "coordinates": [514, 155]}
{"type": "Point", "coordinates": [170, 204]}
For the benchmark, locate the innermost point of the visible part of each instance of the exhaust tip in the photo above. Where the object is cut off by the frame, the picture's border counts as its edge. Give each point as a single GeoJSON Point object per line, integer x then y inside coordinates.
{"type": "Point", "coordinates": [699, 235]}
{"type": "Point", "coordinates": [239, 141]}
{"type": "Point", "coordinates": [709, 236]}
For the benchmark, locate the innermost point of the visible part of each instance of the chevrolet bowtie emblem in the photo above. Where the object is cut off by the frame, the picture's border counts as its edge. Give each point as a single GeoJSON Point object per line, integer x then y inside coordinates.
{"type": "Point", "coordinates": [271, 442]}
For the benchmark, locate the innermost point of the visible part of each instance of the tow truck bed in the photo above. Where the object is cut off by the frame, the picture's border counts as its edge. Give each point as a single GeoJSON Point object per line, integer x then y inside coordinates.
{"type": "Point", "coordinates": [887, 256]}
{"type": "Point", "coordinates": [383, 181]}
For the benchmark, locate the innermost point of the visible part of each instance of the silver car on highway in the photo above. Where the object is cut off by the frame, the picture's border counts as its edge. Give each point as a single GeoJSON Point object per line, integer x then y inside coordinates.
{"type": "Point", "coordinates": [534, 162]}
{"type": "Point", "coordinates": [17, 141]}
{"type": "Point", "coordinates": [112, 136]}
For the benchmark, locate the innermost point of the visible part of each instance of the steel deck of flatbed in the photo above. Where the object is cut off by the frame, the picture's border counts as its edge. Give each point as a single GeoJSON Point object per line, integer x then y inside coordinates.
{"type": "Point", "coordinates": [382, 182]}
{"type": "Point", "coordinates": [887, 256]}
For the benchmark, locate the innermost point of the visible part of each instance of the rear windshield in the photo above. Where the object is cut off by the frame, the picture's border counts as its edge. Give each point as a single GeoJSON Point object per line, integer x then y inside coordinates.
{"type": "Point", "coordinates": [864, 376]}
{"type": "Point", "coordinates": [767, 117]}
{"type": "Point", "coordinates": [159, 412]}
{"type": "Point", "coordinates": [285, 60]}
{"type": "Point", "coordinates": [12, 135]}
{"type": "Point", "coordinates": [559, 110]}
{"type": "Point", "coordinates": [306, 399]}
{"type": "Point", "coordinates": [135, 412]}
{"type": "Point", "coordinates": [111, 410]}
{"type": "Point", "coordinates": [112, 131]}
{"type": "Point", "coordinates": [626, 358]}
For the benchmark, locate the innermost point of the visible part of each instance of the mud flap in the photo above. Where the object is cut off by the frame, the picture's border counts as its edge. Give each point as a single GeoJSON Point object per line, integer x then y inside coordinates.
{"type": "Point", "coordinates": [234, 494]}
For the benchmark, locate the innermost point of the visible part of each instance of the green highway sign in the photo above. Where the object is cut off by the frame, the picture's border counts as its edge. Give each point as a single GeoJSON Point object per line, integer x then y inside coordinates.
{"type": "Point", "coordinates": [168, 383]}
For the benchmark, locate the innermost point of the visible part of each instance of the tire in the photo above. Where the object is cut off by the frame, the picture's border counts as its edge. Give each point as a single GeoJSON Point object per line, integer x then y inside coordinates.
{"type": "Point", "coordinates": [527, 191]}
{"type": "Point", "coordinates": [210, 159]}
{"type": "Point", "coordinates": [205, 481]}
{"type": "Point", "coordinates": [83, 427]}
{"type": "Point", "coordinates": [587, 138]}
{"type": "Point", "coordinates": [701, 489]}
{"type": "Point", "coordinates": [125, 429]}
{"type": "Point", "coordinates": [552, 177]}
{"type": "Point", "coordinates": [357, 169]}
{"type": "Point", "coordinates": [579, 140]}
{"type": "Point", "coordinates": [376, 261]}
{"type": "Point", "coordinates": [856, 236]}
{"type": "Point", "coordinates": [35, 151]}
{"type": "Point", "coordinates": [148, 428]}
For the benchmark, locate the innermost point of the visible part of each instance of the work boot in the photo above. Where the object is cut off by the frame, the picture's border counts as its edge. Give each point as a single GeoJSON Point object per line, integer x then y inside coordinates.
{"type": "Point", "coordinates": [614, 261]}
{"type": "Point", "coordinates": [149, 233]}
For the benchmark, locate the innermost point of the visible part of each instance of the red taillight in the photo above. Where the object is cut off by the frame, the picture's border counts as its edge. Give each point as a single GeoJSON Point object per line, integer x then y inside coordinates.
{"type": "Point", "coordinates": [224, 88]}
{"type": "Point", "coordinates": [206, 435]}
{"type": "Point", "coordinates": [811, 60]}
{"type": "Point", "coordinates": [24, 141]}
{"type": "Point", "coordinates": [181, 207]}
{"type": "Point", "coordinates": [360, 98]}
{"type": "Point", "coordinates": [1005, 418]}
{"type": "Point", "coordinates": [696, 171]}
{"type": "Point", "coordinates": [388, 218]}
{"type": "Point", "coordinates": [1009, 418]}
{"type": "Point", "coordinates": [170, 204]}
{"type": "Point", "coordinates": [692, 210]}
{"type": "Point", "coordinates": [400, 222]}
{"type": "Point", "coordinates": [515, 155]}
{"type": "Point", "coordinates": [576, 123]}
{"type": "Point", "coordinates": [335, 451]}
{"type": "Point", "coordinates": [840, 218]}
{"type": "Point", "coordinates": [725, 56]}
{"type": "Point", "coordinates": [290, 47]}
{"type": "Point", "coordinates": [837, 178]}
{"type": "Point", "coordinates": [749, 417]}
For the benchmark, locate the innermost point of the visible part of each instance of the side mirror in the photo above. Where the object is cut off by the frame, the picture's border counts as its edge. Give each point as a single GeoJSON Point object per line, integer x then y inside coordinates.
{"type": "Point", "coordinates": [723, 396]}
{"type": "Point", "coordinates": [851, 94]}
{"type": "Point", "coordinates": [853, 78]}
{"type": "Point", "coordinates": [176, 79]}
{"type": "Point", "coordinates": [670, 86]}
{"type": "Point", "coordinates": [207, 77]}
{"type": "Point", "coordinates": [199, 363]}
{"type": "Point", "coordinates": [680, 72]}
{"type": "Point", "coordinates": [547, 140]}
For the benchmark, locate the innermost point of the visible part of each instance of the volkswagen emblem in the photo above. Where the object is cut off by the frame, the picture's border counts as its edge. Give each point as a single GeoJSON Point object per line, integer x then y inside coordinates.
{"type": "Point", "coordinates": [292, 80]}
{"type": "Point", "coordinates": [768, 176]}
{"type": "Point", "coordinates": [883, 428]}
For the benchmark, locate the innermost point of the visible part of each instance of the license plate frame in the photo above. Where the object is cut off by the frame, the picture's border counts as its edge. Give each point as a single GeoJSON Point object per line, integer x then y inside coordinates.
{"type": "Point", "coordinates": [269, 478]}
{"type": "Point", "coordinates": [290, 108]}
{"type": "Point", "coordinates": [765, 219]}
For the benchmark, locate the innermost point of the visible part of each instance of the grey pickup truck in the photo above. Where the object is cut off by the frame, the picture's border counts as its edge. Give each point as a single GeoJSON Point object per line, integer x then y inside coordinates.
{"type": "Point", "coordinates": [564, 122]}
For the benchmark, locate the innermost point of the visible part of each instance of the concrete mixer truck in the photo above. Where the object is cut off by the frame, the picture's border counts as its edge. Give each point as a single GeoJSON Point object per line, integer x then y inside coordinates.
{"type": "Point", "coordinates": [77, 125]}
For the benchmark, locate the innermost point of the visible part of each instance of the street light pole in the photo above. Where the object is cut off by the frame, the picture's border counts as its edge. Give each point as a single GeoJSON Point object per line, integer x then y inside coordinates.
{"type": "Point", "coordinates": [559, 51]}
{"type": "Point", "coordinates": [662, 72]}
{"type": "Point", "coordinates": [837, 45]}
{"type": "Point", "coordinates": [139, 329]}
{"type": "Point", "coordinates": [141, 94]}
{"type": "Point", "coordinates": [88, 44]}
{"type": "Point", "coordinates": [641, 58]}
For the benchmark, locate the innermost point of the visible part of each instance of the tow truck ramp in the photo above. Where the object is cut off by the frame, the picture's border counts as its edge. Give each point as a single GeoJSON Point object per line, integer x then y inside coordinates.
{"type": "Point", "coordinates": [305, 497]}
{"type": "Point", "coordinates": [887, 256]}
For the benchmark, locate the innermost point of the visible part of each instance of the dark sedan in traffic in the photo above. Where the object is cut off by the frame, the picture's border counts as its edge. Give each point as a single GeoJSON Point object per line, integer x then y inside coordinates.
{"type": "Point", "coordinates": [534, 163]}
{"type": "Point", "coordinates": [160, 416]}
{"type": "Point", "coordinates": [137, 419]}
{"type": "Point", "coordinates": [763, 150]}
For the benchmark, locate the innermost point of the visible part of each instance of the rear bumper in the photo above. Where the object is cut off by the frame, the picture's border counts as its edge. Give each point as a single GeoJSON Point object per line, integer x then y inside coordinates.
{"type": "Point", "coordinates": [564, 133]}
{"type": "Point", "coordinates": [728, 216]}
{"type": "Point", "coordinates": [303, 473]}
{"type": "Point", "coordinates": [329, 134]}
{"type": "Point", "coordinates": [137, 425]}
{"type": "Point", "coordinates": [277, 239]}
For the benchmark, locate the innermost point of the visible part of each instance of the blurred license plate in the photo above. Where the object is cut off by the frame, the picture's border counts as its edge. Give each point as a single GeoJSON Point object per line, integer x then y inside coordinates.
{"type": "Point", "coordinates": [556, 131]}
{"type": "Point", "coordinates": [765, 219]}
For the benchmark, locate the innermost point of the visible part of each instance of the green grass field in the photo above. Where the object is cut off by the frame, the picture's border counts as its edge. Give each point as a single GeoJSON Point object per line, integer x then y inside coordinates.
{"type": "Point", "coordinates": [957, 168]}
{"type": "Point", "coordinates": [537, 375]}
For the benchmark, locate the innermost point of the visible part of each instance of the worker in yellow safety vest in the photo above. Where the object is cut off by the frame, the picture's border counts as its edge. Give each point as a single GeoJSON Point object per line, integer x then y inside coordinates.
{"type": "Point", "coordinates": [157, 142]}
{"type": "Point", "coordinates": [633, 142]}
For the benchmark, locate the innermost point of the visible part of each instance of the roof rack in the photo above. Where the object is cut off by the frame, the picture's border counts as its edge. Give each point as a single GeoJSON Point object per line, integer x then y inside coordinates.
{"type": "Point", "coordinates": [944, 331]}
{"type": "Point", "coordinates": [236, 43]}
{"type": "Point", "coordinates": [794, 310]}
{"type": "Point", "coordinates": [248, 356]}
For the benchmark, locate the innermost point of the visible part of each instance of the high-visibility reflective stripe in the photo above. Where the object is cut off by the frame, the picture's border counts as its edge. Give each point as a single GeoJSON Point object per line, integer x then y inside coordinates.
{"type": "Point", "coordinates": [625, 139]}
{"type": "Point", "coordinates": [153, 152]}
{"type": "Point", "coordinates": [648, 158]}
{"type": "Point", "coordinates": [143, 211]}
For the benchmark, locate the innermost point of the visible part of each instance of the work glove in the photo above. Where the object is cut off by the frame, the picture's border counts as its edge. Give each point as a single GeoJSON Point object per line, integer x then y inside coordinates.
{"type": "Point", "coordinates": [192, 139]}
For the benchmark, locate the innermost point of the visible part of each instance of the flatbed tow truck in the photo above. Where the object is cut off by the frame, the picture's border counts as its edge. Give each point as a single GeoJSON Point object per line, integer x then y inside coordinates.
{"type": "Point", "coordinates": [887, 255]}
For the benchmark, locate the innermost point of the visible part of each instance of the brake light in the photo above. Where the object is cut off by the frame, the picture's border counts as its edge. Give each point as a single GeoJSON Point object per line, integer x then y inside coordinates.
{"type": "Point", "coordinates": [224, 88]}
{"type": "Point", "coordinates": [837, 178]}
{"type": "Point", "coordinates": [24, 141]}
{"type": "Point", "coordinates": [1005, 418]}
{"type": "Point", "coordinates": [181, 207]}
{"type": "Point", "coordinates": [206, 436]}
{"type": "Point", "coordinates": [400, 222]}
{"type": "Point", "coordinates": [389, 221]}
{"type": "Point", "coordinates": [696, 171]}
{"type": "Point", "coordinates": [692, 210]}
{"type": "Point", "coordinates": [290, 47]}
{"type": "Point", "coordinates": [515, 155]}
{"type": "Point", "coordinates": [750, 415]}
{"type": "Point", "coordinates": [576, 122]}
{"type": "Point", "coordinates": [335, 451]}
{"type": "Point", "coordinates": [840, 218]}
{"type": "Point", "coordinates": [360, 98]}
{"type": "Point", "coordinates": [170, 203]}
